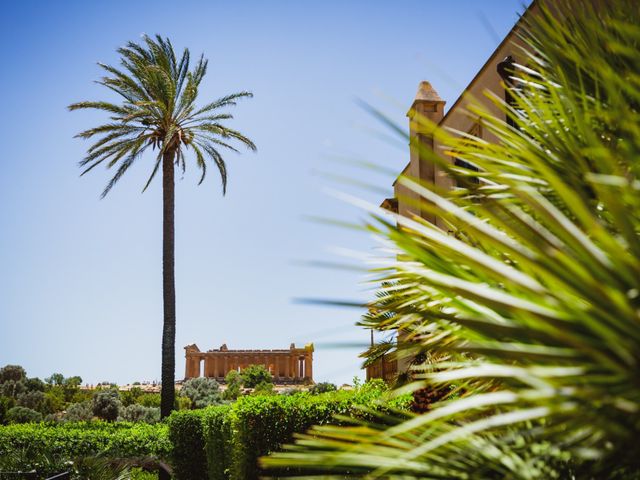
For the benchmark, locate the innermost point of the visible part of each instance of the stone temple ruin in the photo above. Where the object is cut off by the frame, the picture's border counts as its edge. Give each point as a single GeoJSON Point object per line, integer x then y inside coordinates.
{"type": "Point", "coordinates": [288, 366]}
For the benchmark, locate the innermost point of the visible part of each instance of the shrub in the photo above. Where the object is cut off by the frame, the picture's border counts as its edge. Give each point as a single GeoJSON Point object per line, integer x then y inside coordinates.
{"type": "Point", "coordinates": [254, 375]}
{"type": "Point", "coordinates": [79, 412]}
{"type": "Point", "coordinates": [187, 455]}
{"type": "Point", "coordinates": [12, 388]}
{"type": "Point", "coordinates": [263, 388]}
{"type": "Point", "coordinates": [63, 442]}
{"type": "Point", "coordinates": [34, 384]}
{"type": "Point", "coordinates": [234, 383]}
{"type": "Point", "coordinates": [149, 400]}
{"type": "Point", "coordinates": [34, 400]}
{"type": "Point", "coordinates": [23, 415]}
{"type": "Point", "coordinates": [106, 404]}
{"type": "Point", "coordinates": [217, 430]}
{"type": "Point", "coordinates": [129, 397]}
{"type": "Point", "coordinates": [13, 373]}
{"type": "Point", "coordinates": [5, 404]}
{"type": "Point", "coordinates": [202, 392]}
{"type": "Point", "coordinates": [139, 413]}
{"type": "Point", "coordinates": [225, 441]}
{"type": "Point", "coordinates": [322, 387]}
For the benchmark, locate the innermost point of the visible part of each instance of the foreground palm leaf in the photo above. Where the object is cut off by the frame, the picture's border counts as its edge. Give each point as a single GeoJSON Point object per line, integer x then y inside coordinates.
{"type": "Point", "coordinates": [532, 304]}
{"type": "Point", "coordinates": [158, 112]}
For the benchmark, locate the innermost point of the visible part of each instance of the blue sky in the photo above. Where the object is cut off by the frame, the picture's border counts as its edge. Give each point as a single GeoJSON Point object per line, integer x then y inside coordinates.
{"type": "Point", "coordinates": [80, 277]}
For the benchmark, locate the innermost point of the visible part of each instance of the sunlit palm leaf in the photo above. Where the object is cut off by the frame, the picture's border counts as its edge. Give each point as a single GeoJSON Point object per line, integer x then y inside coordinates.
{"type": "Point", "coordinates": [531, 303]}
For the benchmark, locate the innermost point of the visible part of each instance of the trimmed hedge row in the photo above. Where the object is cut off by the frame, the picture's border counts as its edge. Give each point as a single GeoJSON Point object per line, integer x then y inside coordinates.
{"type": "Point", "coordinates": [60, 443]}
{"type": "Point", "coordinates": [235, 436]}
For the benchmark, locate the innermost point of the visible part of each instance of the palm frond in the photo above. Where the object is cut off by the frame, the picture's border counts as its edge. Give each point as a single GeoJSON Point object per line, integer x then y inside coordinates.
{"type": "Point", "coordinates": [159, 92]}
{"type": "Point", "coordinates": [529, 305]}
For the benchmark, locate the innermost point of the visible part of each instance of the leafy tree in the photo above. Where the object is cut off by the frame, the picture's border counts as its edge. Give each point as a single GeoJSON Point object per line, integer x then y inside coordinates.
{"type": "Point", "coordinates": [12, 388]}
{"type": "Point", "coordinates": [55, 399]}
{"type": "Point", "coordinates": [254, 375]}
{"type": "Point", "coordinates": [5, 404]}
{"type": "Point", "coordinates": [263, 388]}
{"type": "Point", "coordinates": [131, 396]}
{"type": "Point", "coordinates": [106, 404]}
{"type": "Point", "coordinates": [12, 372]}
{"type": "Point", "coordinates": [73, 382]}
{"type": "Point", "coordinates": [532, 299]}
{"type": "Point", "coordinates": [55, 379]}
{"type": "Point", "coordinates": [34, 384]}
{"type": "Point", "coordinates": [20, 414]}
{"type": "Point", "coordinates": [79, 412]}
{"type": "Point", "coordinates": [34, 400]}
{"type": "Point", "coordinates": [183, 403]}
{"type": "Point", "coordinates": [234, 382]}
{"type": "Point", "coordinates": [149, 400]}
{"type": "Point", "coordinates": [158, 111]}
{"type": "Point", "coordinates": [322, 387]}
{"type": "Point", "coordinates": [139, 413]}
{"type": "Point", "coordinates": [202, 392]}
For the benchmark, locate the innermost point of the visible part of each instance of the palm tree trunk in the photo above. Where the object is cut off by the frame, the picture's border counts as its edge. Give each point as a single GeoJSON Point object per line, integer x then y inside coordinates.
{"type": "Point", "coordinates": [167, 393]}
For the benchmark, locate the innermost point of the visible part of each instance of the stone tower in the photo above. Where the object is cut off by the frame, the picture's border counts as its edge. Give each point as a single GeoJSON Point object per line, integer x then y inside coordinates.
{"type": "Point", "coordinates": [427, 105]}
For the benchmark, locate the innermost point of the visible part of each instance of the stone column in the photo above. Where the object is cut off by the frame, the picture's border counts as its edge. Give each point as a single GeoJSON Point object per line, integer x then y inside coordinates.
{"type": "Point", "coordinates": [207, 366]}
{"type": "Point", "coordinates": [287, 366]}
{"type": "Point", "coordinates": [308, 366]}
{"type": "Point", "coordinates": [225, 365]}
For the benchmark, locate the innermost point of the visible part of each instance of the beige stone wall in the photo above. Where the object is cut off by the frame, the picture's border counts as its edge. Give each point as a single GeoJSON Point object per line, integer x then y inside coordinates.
{"type": "Point", "coordinates": [294, 365]}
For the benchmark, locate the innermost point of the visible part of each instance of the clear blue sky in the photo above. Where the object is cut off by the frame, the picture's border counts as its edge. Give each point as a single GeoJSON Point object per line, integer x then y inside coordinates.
{"type": "Point", "coordinates": [80, 277]}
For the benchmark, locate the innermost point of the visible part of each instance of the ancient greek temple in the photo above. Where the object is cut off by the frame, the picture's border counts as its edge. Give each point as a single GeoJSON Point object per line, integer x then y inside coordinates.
{"type": "Point", "coordinates": [294, 365]}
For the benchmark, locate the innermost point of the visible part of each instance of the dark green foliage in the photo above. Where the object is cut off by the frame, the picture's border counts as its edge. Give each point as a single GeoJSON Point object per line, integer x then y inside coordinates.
{"type": "Point", "coordinates": [20, 414]}
{"type": "Point", "coordinates": [322, 387]}
{"type": "Point", "coordinates": [234, 383]}
{"type": "Point", "coordinates": [35, 400]}
{"type": "Point", "coordinates": [139, 413]}
{"type": "Point", "coordinates": [217, 430]}
{"type": "Point", "coordinates": [12, 373]}
{"type": "Point", "coordinates": [149, 399]}
{"type": "Point", "coordinates": [254, 375]}
{"type": "Point", "coordinates": [236, 435]}
{"type": "Point", "coordinates": [12, 388]}
{"type": "Point", "coordinates": [79, 412]}
{"type": "Point", "coordinates": [5, 404]}
{"type": "Point", "coordinates": [106, 404]}
{"type": "Point", "coordinates": [48, 447]}
{"type": "Point", "coordinates": [187, 445]}
{"type": "Point", "coordinates": [55, 379]}
{"type": "Point", "coordinates": [202, 392]}
{"type": "Point", "coordinates": [129, 397]}
{"type": "Point", "coordinates": [263, 388]}
{"type": "Point", "coordinates": [34, 385]}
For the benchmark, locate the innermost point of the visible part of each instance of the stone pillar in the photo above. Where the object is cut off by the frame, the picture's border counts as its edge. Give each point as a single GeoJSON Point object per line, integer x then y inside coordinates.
{"type": "Point", "coordinates": [292, 366]}
{"type": "Point", "coordinates": [308, 366]}
{"type": "Point", "coordinates": [207, 366]}
{"type": "Point", "coordinates": [428, 106]}
{"type": "Point", "coordinates": [287, 366]}
{"type": "Point", "coordinates": [225, 364]}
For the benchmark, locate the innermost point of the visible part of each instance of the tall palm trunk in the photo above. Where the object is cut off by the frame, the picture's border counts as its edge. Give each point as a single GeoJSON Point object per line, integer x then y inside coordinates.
{"type": "Point", "coordinates": [167, 395]}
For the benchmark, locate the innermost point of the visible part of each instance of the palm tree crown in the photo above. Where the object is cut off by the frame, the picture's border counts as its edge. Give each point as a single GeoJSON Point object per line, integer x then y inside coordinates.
{"type": "Point", "coordinates": [158, 111]}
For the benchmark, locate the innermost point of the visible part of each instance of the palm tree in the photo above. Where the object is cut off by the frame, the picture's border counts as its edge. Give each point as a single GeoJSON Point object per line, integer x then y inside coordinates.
{"type": "Point", "coordinates": [534, 302]}
{"type": "Point", "coordinates": [157, 111]}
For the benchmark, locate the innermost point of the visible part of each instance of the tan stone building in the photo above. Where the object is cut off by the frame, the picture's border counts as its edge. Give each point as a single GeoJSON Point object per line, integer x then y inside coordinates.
{"type": "Point", "coordinates": [428, 104]}
{"type": "Point", "coordinates": [288, 366]}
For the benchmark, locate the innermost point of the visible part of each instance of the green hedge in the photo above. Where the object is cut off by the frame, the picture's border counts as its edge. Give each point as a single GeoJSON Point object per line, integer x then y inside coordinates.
{"type": "Point", "coordinates": [234, 436]}
{"type": "Point", "coordinates": [60, 443]}
{"type": "Point", "coordinates": [187, 456]}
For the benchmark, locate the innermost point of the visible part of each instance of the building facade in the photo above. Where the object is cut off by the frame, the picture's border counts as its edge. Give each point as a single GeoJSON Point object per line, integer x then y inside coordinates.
{"type": "Point", "coordinates": [490, 80]}
{"type": "Point", "coordinates": [287, 366]}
